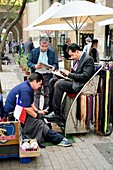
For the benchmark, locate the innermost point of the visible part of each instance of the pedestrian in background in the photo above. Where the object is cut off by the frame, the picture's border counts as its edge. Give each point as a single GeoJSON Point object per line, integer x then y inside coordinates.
{"type": "Point", "coordinates": [21, 48]}
{"type": "Point", "coordinates": [93, 51]}
{"type": "Point", "coordinates": [53, 48]}
{"type": "Point", "coordinates": [67, 62]}
{"type": "Point", "coordinates": [87, 47]}
{"type": "Point", "coordinates": [28, 46]}
{"type": "Point", "coordinates": [6, 47]}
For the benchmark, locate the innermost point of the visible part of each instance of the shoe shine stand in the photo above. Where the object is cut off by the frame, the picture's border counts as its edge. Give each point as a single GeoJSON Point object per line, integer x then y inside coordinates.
{"type": "Point", "coordinates": [69, 105]}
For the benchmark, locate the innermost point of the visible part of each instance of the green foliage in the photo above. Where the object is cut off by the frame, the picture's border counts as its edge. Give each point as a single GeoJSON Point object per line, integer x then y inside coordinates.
{"type": "Point", "coordinates": [24, 60]}
{"type": "Point", "coordinates": [12, 2]}
{"type": "Point", "coordinates": [16, 58]}
{"type": "Point", "coordinates": [13, 15]}
{"type": "Point", "coordinates": [31, 1]}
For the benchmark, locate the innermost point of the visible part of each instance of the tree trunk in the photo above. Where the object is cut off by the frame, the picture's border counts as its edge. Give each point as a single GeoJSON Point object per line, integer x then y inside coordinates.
{"type": "Point", "coordinates": [12, 24]}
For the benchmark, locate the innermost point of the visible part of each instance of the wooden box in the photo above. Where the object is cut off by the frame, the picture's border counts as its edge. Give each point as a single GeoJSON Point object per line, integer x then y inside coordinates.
{"type": "Point", "coordinates": [9, 133]}
{"type": "Point", "coordinates": [28, 153]}
{"type": "Point", "coordinates": [9, 139]}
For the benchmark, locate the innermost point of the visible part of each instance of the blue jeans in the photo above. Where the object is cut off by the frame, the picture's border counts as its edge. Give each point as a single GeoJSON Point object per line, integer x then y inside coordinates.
{"type": "Point", "coordinates": [53, 137]}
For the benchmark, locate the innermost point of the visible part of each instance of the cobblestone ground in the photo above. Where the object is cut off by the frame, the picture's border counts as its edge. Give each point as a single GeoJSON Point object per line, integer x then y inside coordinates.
{"type": "Point", "coordinates": [83, 155]}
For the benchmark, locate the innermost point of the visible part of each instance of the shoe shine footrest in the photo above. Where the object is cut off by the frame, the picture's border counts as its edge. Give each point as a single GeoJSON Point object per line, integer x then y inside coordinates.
{"type": "Point", "coordinates": [26, 151]}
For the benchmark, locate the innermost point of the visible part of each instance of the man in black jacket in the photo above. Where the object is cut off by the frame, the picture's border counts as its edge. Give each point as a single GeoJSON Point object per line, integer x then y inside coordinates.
{"type": "Point", "coordinates": [81, 72]}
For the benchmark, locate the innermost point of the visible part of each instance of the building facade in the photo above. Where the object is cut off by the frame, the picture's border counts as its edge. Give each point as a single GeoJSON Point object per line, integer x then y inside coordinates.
{"type": "Point", "coordinates": [35, 9]}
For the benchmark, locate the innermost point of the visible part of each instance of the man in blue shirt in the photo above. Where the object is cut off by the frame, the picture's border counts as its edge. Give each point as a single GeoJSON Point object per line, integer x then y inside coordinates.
{"type": "Point", "coordinates": [33, 127]}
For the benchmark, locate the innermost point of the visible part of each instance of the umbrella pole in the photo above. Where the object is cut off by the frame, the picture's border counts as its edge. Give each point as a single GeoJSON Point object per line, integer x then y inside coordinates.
{"type": "Point", "coordinates": [76, 31]}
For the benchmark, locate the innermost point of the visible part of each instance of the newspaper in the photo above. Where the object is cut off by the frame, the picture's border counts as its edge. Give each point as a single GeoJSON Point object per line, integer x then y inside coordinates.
{"type": "Point", "coordinates": [47, 66]}
{"type": "Point", "coordinates": [58, 74]}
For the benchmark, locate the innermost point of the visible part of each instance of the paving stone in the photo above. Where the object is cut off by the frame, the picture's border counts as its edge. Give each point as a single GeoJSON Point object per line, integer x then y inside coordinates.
{"type": "Point", "coordinates": [90, 168]}
{"type": "Point", "coordinates": [81, 166]}
{"type": "Point", "coordinates": [81, 155]}
{"type": "Point", "coordinates": [56, 165]}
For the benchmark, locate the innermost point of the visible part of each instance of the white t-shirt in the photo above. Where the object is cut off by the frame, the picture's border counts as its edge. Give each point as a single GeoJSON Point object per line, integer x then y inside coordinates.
{"type": "Point", "coordinates": [42, 59]}
{"type": "Point", "coordinates": [87, 48]}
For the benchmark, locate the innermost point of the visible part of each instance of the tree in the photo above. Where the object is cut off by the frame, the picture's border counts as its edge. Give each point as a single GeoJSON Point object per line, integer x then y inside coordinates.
{"type": "Point", "coordinates": [12, 10]}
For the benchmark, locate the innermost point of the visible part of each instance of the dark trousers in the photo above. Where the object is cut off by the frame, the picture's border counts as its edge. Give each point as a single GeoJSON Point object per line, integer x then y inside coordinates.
{"type": "Point", "coordinates": [53, 137]}
{"type": "Point", "coordinates": [45, 91]}
{"type": "Point", "coordinates": [57, 92]}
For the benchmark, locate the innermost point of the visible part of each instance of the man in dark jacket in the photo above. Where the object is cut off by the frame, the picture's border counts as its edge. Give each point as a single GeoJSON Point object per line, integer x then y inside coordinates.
{"type": "Point", "coordinates": [28, 46]}
{"type": "Point", "coordinates": [81, 72]}
{"type": "Point", "coordinates": [42, 55]}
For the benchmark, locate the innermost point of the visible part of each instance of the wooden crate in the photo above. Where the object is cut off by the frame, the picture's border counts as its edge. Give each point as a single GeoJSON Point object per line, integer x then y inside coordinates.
{"type": "Point", "coordinates": [28, 153]}
{"type": "Point", "coordinates": [9, 139]}
{"type": "Point", "coordinates": [9, 133]}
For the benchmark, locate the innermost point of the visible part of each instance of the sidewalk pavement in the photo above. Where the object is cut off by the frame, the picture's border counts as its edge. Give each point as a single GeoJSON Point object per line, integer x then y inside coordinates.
{"type": "Point", "coordinates": [83, 155]}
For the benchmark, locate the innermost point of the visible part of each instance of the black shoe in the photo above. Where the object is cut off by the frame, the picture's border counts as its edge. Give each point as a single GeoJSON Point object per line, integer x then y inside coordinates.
{"type": "Point", "coordinates": [49, 125]}
{"type": "Point", "coordinates": [51, 116]}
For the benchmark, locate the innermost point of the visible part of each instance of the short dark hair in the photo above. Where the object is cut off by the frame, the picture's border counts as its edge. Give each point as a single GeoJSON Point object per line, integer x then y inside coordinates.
{"type": "Point", "coordinates": [95, 41]}
{"type": "Point", "coordinates": [73, 47]}
{"type": "Point", "coordinates": [44, 40]}
{"type": "Point", "coordinates": [35, 76]}
{"type": "Point", "coordinates": [68, 39]}
{"type": "Point", "coordinates": [30, 38]}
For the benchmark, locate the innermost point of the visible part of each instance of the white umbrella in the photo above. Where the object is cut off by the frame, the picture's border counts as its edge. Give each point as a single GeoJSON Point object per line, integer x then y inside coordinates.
{"type": "Point", "coordinates": [49, 27]}
{"type": "Point", "coordinates": [106, 22]}
{"type": "Point", "coordinates": [77, 13]}
{"type": "Point", "coordinates": [58, 27]}
{"type": "Point", "coordinates": [46, 15]}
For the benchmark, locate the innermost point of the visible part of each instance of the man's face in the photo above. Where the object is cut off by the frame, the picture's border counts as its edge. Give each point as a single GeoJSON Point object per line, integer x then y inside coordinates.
{"type": "Point", "coordinates": [44, 47]}
{"type": "Point", "coordinates": [69, 42]}
{"type": "Point", "coordinates": [87, 42]}
{"type": "Point", "coordinates": [37, 85]}
{"type": "Point", "coordinates": [74, 55]}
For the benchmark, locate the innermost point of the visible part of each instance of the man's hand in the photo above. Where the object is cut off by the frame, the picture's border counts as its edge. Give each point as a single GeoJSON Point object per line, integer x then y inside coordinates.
{"type": "Point", "coordinates": [52, 69]}
{"type": "Point", "coordinates": [42, 112]}
{"type": "Point", "coordinates": [38, 66]}
{"type": "Point", "coordinates": [64, 72]}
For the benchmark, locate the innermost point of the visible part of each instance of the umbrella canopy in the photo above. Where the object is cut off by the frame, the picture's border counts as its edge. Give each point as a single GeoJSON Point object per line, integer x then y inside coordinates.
{"type": "Point", "coordinates": [77, 13]}
{"type": "Point", "coordinates": [106, 22]}
{"type": "Point", "coordinates": [49, 27]}
{"type": "Point", "coordinates": [54, 27]}
{"type": "Point", "coordinates": [46, 15]}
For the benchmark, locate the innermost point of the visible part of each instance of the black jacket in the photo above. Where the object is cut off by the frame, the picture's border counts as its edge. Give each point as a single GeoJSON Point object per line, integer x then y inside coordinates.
{"type": "Point", "coordinates": [84, 72]}
{"type": "Point", "coordinates": [34, 56]}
